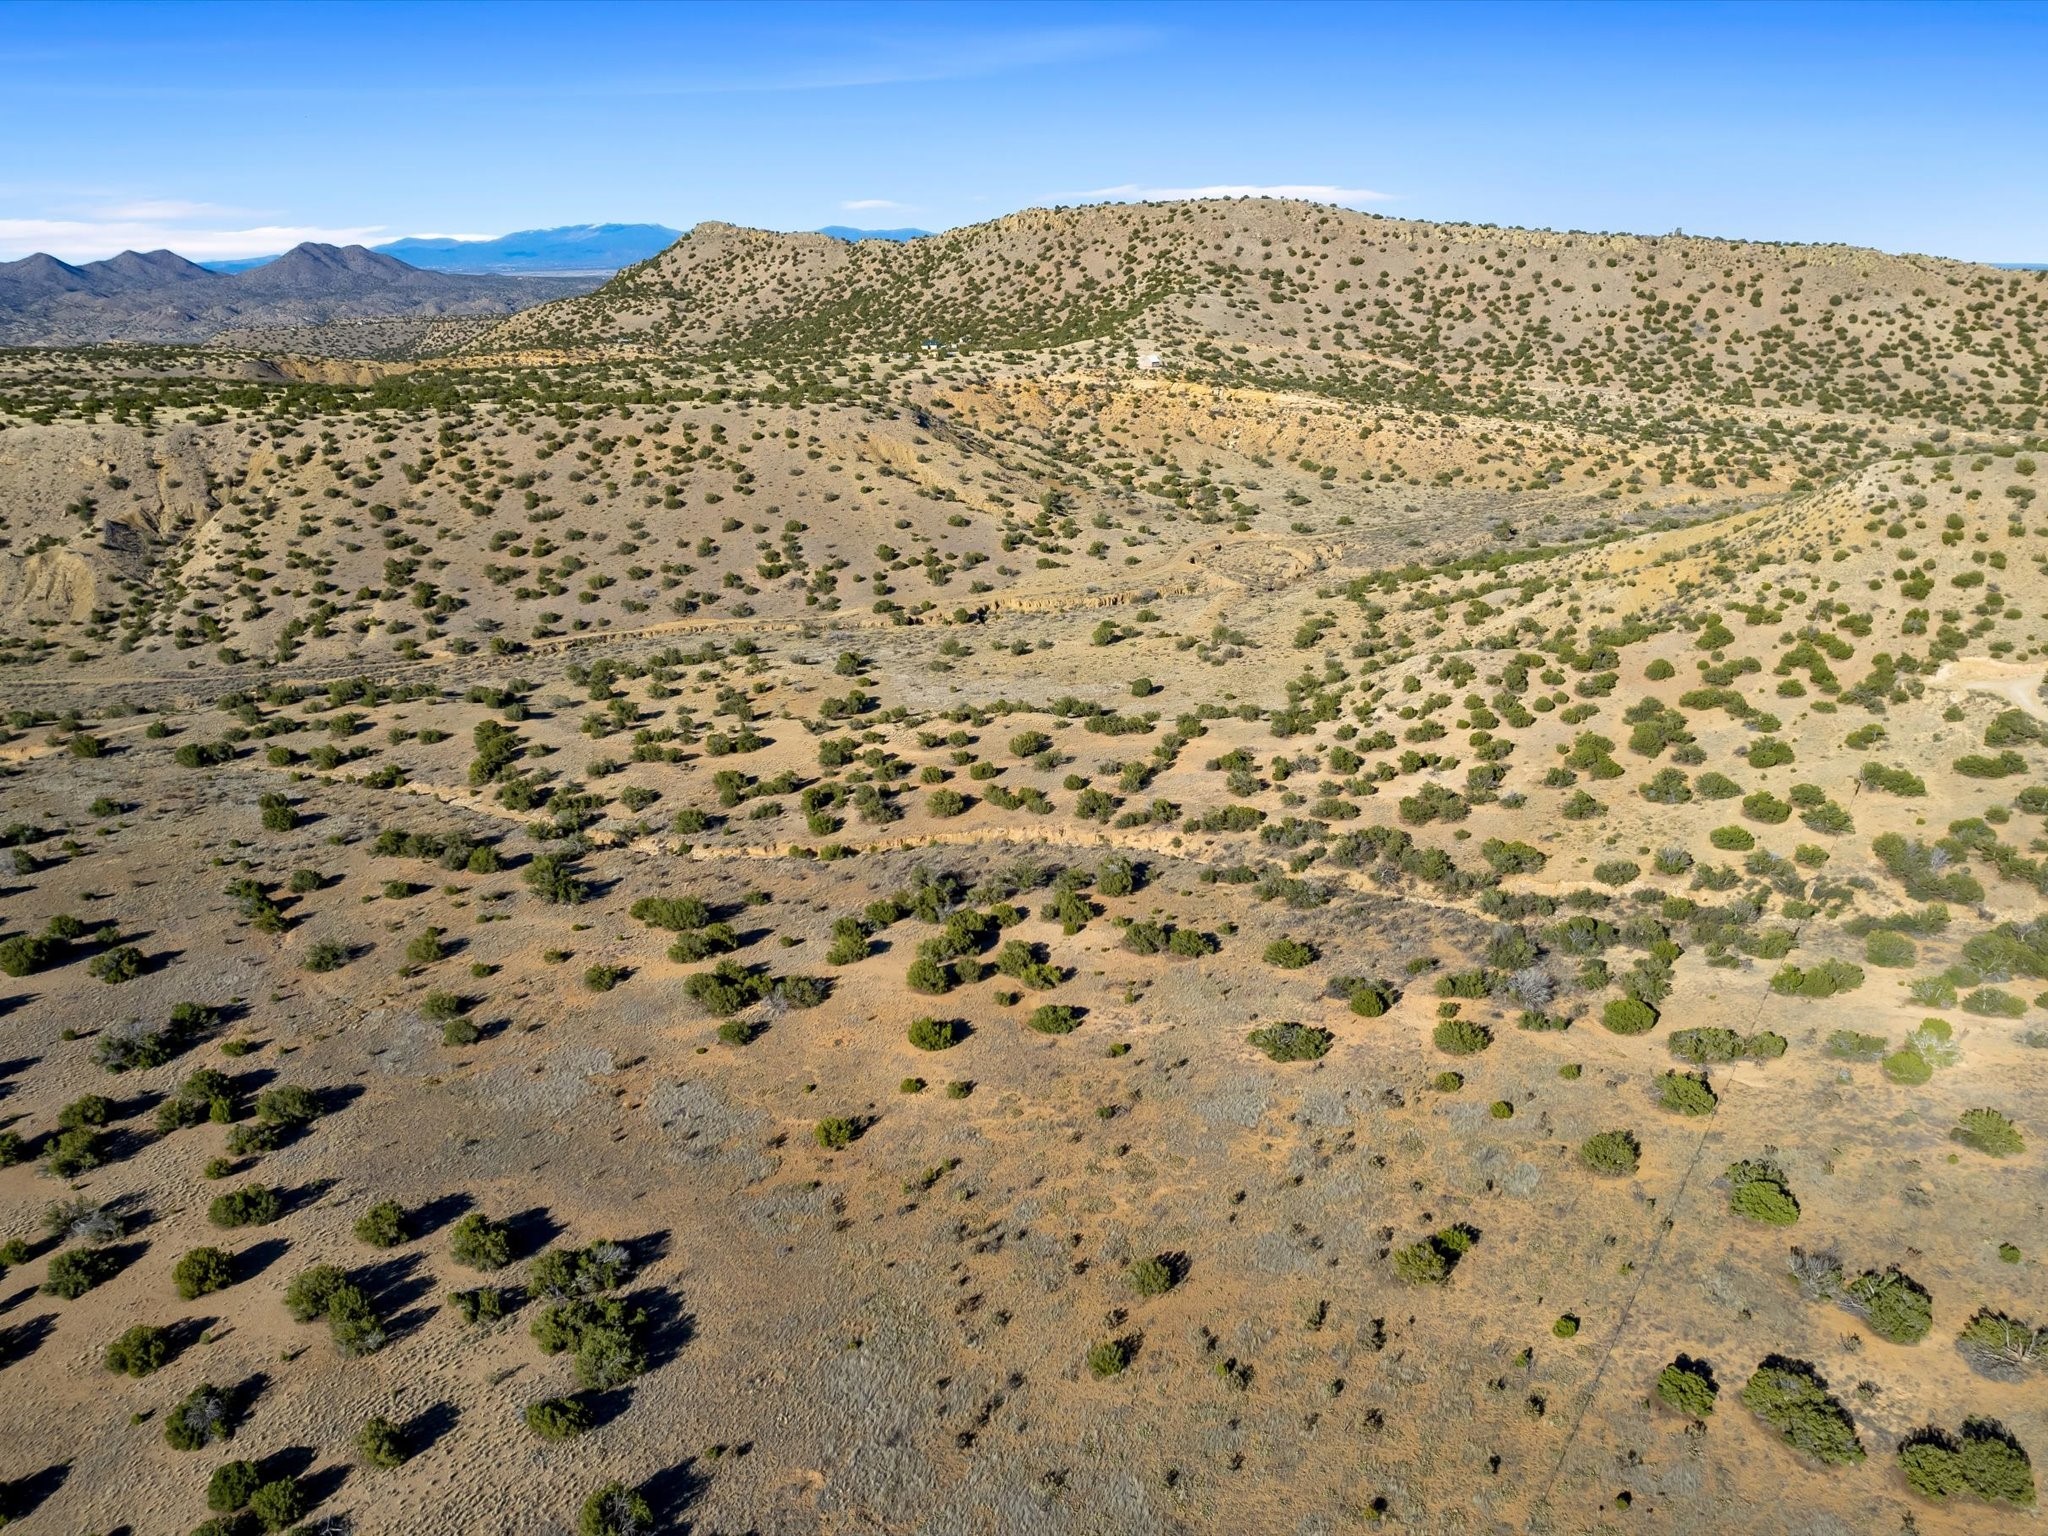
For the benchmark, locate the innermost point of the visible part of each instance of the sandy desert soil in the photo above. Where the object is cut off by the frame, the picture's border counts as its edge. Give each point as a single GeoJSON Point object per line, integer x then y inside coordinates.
{"type": "Point", "coordinates": [791, 847]}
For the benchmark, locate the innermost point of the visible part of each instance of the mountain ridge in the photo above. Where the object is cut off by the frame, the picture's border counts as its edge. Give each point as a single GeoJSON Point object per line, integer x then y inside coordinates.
{"type": "Point", "coordinates": [558, 250]}
{"type": "Point", "coordinates": [159, 296]}
{"type": "Point", "coordinates": [1301, 293]}
{"type": "Point", "coordinates": [565, 248]}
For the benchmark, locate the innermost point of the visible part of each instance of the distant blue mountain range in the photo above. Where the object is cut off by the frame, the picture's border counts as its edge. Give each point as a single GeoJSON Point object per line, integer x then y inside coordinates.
{"type": "Point", "coordinates": [841, 232]}
{"type": "Point", "coordinates": [568, 248]}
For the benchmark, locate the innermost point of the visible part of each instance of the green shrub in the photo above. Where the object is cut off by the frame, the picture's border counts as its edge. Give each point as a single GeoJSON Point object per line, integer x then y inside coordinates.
{"type": "Point", "coordinates": [1582, 807]}
{"type": "Point", "coordinates": [727, 988]}
{"type": "Point", "coordinates": [253, 1205]}
{"type": "Point", "coordinates": [232, 1485]}
{"type": "Point", "coordinates": [851, 942]}
{"type": "Point", "coordinates": [1513, 858]}
{"type": "Point", "coordinates": [608, 1352]}
{"type": "Point", "coordinates": [1617, 872]}
{"type": "Point", "coordinates": [306, 1298]}
{"type": "Point", "coordinates": [1369, 1001]}
{"type": "Point", "coordinates": [1827, 979]}
{"type": "Point", "coordinates": [1688, 1386]}
{"type": "Point", "coordinates": [280, 1504]}
{"type": "Point", "coordinates": [460, 1032]}
{"type": "Point", "coordinates": [552, 877]}
{"type": "Point", "coordinates": [485, 1304]}
{"type": "Point", "coordinates": [1150, 1277]}
{"type": "Point", "coordinates": [801, 992]}
{"type": "Point", "coordinates": [1893, 781]}
{"type": "Point", "coordinates": [288, 1105]}
{"type": "Point", "coordinates": [1709, 1045]}
{"type": "Point", "coordinates": [73, 1152]}
{"type": "Point", "coordinates": [480, 1243]}
{"type": "Point", "coordinates": [558, 1418]}
{"type": "Point", "coordinates": [253, 1140]}
{"type": "Point", "coordinates": [124, 963]}
{"type": "Point", "coordinates": [1891, 951]}
{"type": "Point", "coordinates": [1994, 1003]}
{"type": "Point", "coordinates": [1628, 1016]}
{"type": "Point", "coordinates": [1766, 807]}
{"type": "Point", "coordinates": [1907, 1066]}
{"type": "Point", "coordinates": [139, 1351]}
{"type": "Point", "coordinates": [1289, 955]}
{"type": "Point", "coordinates": [2002, 1347]}
{"type": "Point", "coordinates": [1896, 1307]}
{"type": "Point", "coordinates": [835, 1133]}
{"type": "Point", "coordinates": [1292, 1042]}
{"type": "Point", "coordinates": [1984, 1461]}
{"type": "Point", "coordinates": [1732, 839]}
{"type": "Point", "coordinates": [934, 1034]}
{"type": "Point", "coordinates": [353, 1321]}
{"type": "Point", "coordinates": [25, 954]}
{"type": "Point", "coordinates": [202, 1272]}
{"type": "Point", "coordinates": [1792, 1399]}
{"type": "Point", "coordinates": [677, 914]}
{"type": "Point", "coordinates": [1989, 1132]}
{"type": "Point", "coordinates": [204, 1095]}
{"type": "Point", "coordinates": [325, 955]}
{"type": "Point", "coordinates": [566, 1273]}
{"type": "Point", "coordinates": [1614, 1153]}
{"type": "Point", "coordinates": [1430, 1261]}
{"type": "Point", "coordinates": [1757, 1189]}
{"type": "Point", "coordinates": [615, 1510]}
{"type": "Point", "coordinates": [442, 1007]}
{"type": "Point", "coordinates": [1977, 765]}
{"type": "Point", "coordinates": [92, 1109]}
{"type": "Point", "coordinates": [1055, 1018]}
{"type": "Point", "coordinates": [702, 943]}
{"type": "Point", "coordinates": [75, 1271]}
{"type": "Point", "coordinates": [603, 1332]}
{"type": "Point", "coordinates": [1421, 1264]}
{"type": "Point", "coordinates": [1687, 1092]}
{"type": "Point", "coordinates": [381, 1443]}
{"type": "Point", "coordinates": [383, 1225]}
{"type": "Point", "coordinates": [1461, 1037]}
{"type": "Point", "coordinates": [203, 1416]}
{"type": "Point", "coordinates": [1108, 1358]}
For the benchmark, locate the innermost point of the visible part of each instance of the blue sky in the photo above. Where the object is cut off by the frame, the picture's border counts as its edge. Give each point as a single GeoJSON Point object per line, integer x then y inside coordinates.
{"type": "Point", "coordinates": [234, 130]}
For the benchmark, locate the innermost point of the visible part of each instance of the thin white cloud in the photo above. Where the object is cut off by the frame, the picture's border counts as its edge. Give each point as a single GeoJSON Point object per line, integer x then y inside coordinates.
{"type": "Point", "coordinates": [427, 236]}
{"type": "Point", "coordinates": [1307, 192]}
{"type": "Point", "coordinates": [872, 204]}
{"type": "Point", "coordinates": [94, 239]}
{"type": "Point", "coordinates": [165, 208]}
